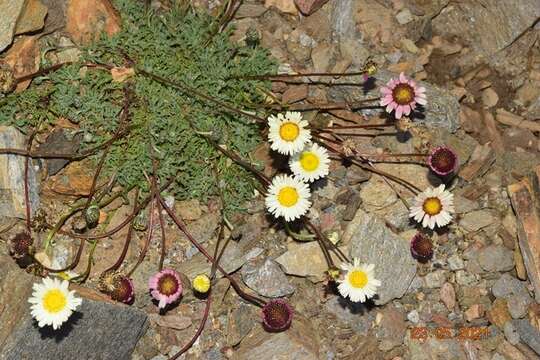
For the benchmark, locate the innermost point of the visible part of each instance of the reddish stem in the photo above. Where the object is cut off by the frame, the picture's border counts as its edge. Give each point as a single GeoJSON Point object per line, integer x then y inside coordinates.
{"type": "Point", "coordinates": [203, 251]}
{"type": "Point", "coordinates": [199, 330]}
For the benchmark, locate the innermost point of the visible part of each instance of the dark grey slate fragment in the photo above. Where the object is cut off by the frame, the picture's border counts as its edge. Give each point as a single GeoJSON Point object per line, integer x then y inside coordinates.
{"type": "Point", "coordinates": [528, 334]}
{"type": "Point", "coordinates": [98, 330]}
{"type": "Point", "coordinates": [58, 143]}
{"type": "Point", "coordinates": [372, 242]}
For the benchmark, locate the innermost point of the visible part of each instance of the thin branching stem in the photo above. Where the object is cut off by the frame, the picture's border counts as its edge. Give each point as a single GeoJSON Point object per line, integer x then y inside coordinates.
{"type": "Point", "coordinates": [129, 236]}
{"type": "Point", "coordinates": [180, 224]}
{"type": "Point", "coordinates": [199, 330]}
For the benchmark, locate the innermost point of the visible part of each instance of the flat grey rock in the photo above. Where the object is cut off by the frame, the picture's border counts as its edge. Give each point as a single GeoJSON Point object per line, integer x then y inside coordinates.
{"type": "Point", "coordinates": [373, 243]}
{"type": "Point", "coordinates": [12, 203]}
{"type": "Point", "coordinates": [441, 111]}
{"type": "Point", "coordinates": [10, 10]}
{"type": "Point", "coordinates": [266, 278]}
{"type": "Point", "coordinates": [487, 26]}
{"type": "Point", "coordinates": [98, 330]}
{"type": "Point", "coordinates": [528, 334]}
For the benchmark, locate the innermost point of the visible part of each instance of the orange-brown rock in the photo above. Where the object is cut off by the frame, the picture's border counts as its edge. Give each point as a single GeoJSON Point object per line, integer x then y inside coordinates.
{"type": "Point", "coordinates": [87, 19]}
{"type": "Point", "coordinates": [525, 197]}
{"type": "Point", "coordinates": [498, 314]}
{"type": "Point", "coordinates": [23, 58]}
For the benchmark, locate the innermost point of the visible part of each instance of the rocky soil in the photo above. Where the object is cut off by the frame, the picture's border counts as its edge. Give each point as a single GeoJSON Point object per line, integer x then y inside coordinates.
{"type": "Point", "coordinates": [479, 296]}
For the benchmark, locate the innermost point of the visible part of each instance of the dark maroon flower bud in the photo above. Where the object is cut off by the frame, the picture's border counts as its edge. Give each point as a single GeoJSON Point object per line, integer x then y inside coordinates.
{"type": "Point", "coordinates": [277, 315]}
{"type": "Point", "coordinates": [443, 160]}
{"type": "Point", "coordinates": [20, 245]}
{"type": "Point", "coordinates": [421, 247]}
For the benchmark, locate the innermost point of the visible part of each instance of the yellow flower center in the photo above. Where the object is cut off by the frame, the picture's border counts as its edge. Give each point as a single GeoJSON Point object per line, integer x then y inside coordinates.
{"type": "Point", "coordinates": [167, 285]}
{"type": "Point", "coordinates": [358, 279]}
{"type": "Point", "coordinates": [289, 131]}
{"type": "Point", "coordinates": [403, 94]}
{"type": "Point", "coordinates": [288, 196]}
{"type": "Point", "coordinates": [201, 283]}
{"type": "Point", "coordinates": [54, 301]}
{"type": "Point", "coordinates": [432, 206]}
{"type": "Point", "coordinates": [309, 161]}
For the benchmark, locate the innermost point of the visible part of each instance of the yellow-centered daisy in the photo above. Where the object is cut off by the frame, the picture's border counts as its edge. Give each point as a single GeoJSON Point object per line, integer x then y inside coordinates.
{"type": "Point", "coordinates": [311, 163]}
{"type": "Point", "coordinates": [288, 197]}
{"type": "Point", "coordinates": [433, 207]}
{"type": "Point", "coordinates": [52, 302]}
{"type": "Point", "coordinates": [358, 283]}
{"type": "Point", "coordinates": [287, 133]}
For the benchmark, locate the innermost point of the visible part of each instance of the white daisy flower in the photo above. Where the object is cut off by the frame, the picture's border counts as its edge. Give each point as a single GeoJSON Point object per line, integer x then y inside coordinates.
{"type": "Point", "coordinates": [287, 133]}
{"type": "Point", "coordinates": [311, 163]}
{"type": "Point", "coordinates": [287, 197]}
{"type": "Point", "coordinates": [433, 207]}
{"type": "Point", "coordinates": [359, 283]}
{"type": "Point", "coordinates": [52, 302]}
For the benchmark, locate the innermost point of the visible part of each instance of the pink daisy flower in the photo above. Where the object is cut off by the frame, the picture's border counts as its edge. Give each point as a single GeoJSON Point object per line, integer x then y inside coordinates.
{"type": "Point", "coordinates": [165, 287]}
{"type": "Point", "coordinates": [402, 95]}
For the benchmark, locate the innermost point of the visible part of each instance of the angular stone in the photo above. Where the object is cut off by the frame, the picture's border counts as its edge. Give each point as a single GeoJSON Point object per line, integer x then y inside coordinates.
{"type": "Point", "coordinates": [481, 160]}
{"type": "Point", "coordinates": [498, 314]}
{"type": "Point", "coordinates": [295, 93]}
{"type": "Point", "coordinates": [510, 351]}
{"type": "Point", "coordinates": [308, 7]}
{"type": "Point", "coordinates": [58, 142]}
{"type": "Point", "coordinates": [508, 285]}
{"type": "Point", "coordinates": [353, 314]}
{"type": "Point", "coordinates": [86, 19]}
{"type": "Point", "coordinates": [12, 203]}
{"type": "Point", "coordinates": [496, 258]}
{"type": "Point", "coordinates": [488, 26]}
{"type": "Point", "coordinates": [433, 348]}
{"type": "Point", "coordinates": [97, 330]}
{"type": "Point", "coordinates": [267, 279]}
{"type": "Point", "coordinates": [233, 258]}
{"type": "Point", "coordinates": [300, 342]}
{"type": "Point", "coordinates": [518, 305]}
{"type": "Point", "coordinates": [15, 284]}
{"type": "Point", "coordinates": [241, 321]}
{"type": "Point", "coordinates": [373, 243]}
{"type": "Point", "coordinates": [286, 6]}
{"type": "Point", "coordinates": [377, 194]}
{"type": "Point", "coordinates": [392, 328]}
{"type": "Point", "coordinates": [448, 296]}
{"type": "Point", "coordinates": [476, 220]}
{"type": "Point", "coordinates": [24, 58]}
{"type": "Point", "coordinates": [435, 279]}
{"type": "Point", "coordinates": [304, 260]}
{"type": "Point", "coordinates": [442, 110]}
{"type": "Point", "coordinates": [528, 334]}
{"type": "Point", "coordinates": [525, 197]}
{"type": "Point", "coordinates": [10, 11]}
{"type": "Point", "coordinates": [474, 312]}
{"type": "Point", "coordinates": [32, 17]}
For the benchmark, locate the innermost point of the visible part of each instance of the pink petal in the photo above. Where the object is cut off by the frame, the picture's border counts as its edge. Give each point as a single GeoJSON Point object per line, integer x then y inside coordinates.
{"type": "Point", "coordinates": [406, 109]}
{"type": "Point", "coordinates": [386, 100]}
{"type": "Point", "coordinates": [399, 112]}
{"type": "Point", "coordinates": [420, 90]}
{"type": "Point", "coordinates": [391, 107]}
{"type": "Point", "coordinates": [421, 101]}
{"type": "Point", "coordinates": [403, 78]}
{"type": "Point", "coordinates": [386, 91]}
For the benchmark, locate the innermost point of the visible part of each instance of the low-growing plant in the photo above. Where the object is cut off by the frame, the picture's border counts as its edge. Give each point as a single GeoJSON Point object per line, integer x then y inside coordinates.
{"type": "Point", "coordinates": [180, 46]}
